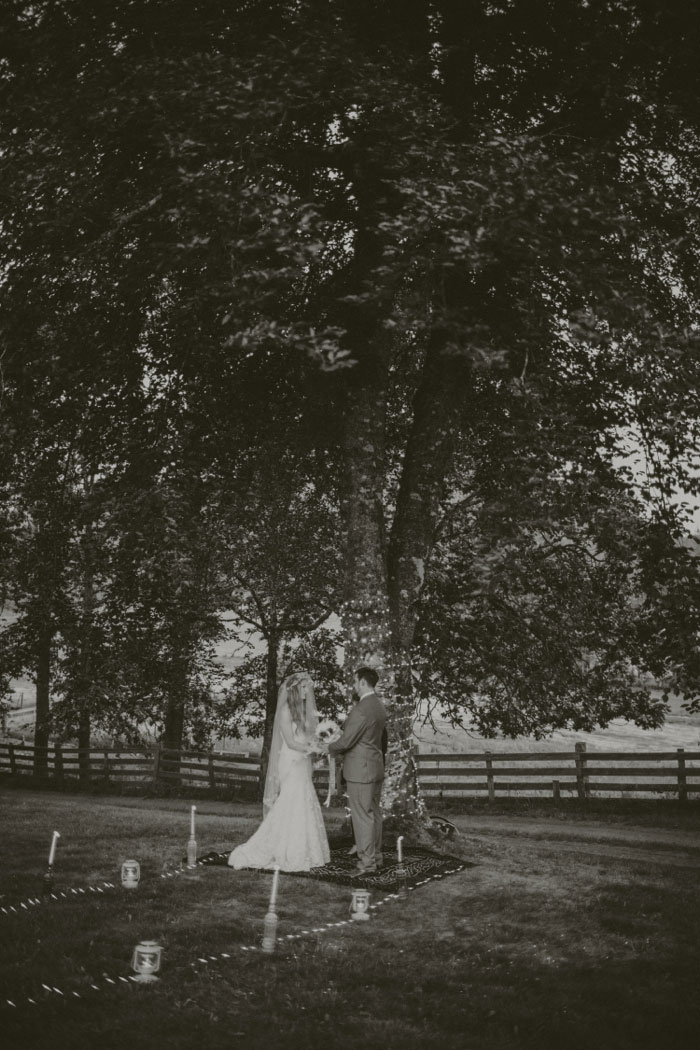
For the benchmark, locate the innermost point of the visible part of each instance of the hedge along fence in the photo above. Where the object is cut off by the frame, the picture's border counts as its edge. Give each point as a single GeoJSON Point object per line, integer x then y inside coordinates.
{"type": "Point", "coordinates": [579, 773]}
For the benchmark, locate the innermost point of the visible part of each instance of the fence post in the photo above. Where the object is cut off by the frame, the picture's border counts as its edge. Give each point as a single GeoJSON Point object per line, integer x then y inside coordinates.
{"type": "Point", "coordinates": [437, 777]}
{"type": "Point", "coordinates": [489, 776]}
{"type": "Point", "coordinates": [156, 763]}
{"type": "Point", "coordinates": [212, 778]}
{"type": "Point", "coordinates": [58, 762]}
{"type": "Point", "coordinates": [13, 760]}
{"type": "Point", "coordinates": [582, 788]}
{"type": "Point", "coordinates": [682, 782]}
{"type": "Point", "coordinates": [556, 791]}
{"type": "Point", "coordinates": [84, 760]}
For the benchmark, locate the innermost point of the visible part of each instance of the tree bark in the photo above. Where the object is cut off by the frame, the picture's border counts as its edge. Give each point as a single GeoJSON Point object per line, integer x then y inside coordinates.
{"type": "Point", "coordinates": [367, 620]}
{"type": "Point", "coordinates": [86, 662]}
{"type": "Point", "coordinates": [84, 746]}
{"type": "Point", "coordinates": [43, 686]}
{"type": "Point", "coordinates": [271, 687]}
{"type": "Point", "coordinates": [438, 409]}
{"type": "Point", "coordinates": [384, 579]}
{"type": "Point", "coordinates": [173, 729]}
{"type": "Point", "coordinates": [174, 724]}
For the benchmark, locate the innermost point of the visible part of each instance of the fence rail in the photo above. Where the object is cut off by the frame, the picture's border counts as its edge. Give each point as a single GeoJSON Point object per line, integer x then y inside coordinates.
{"type": "Point", "coordinates": [131, 765]}
{"type": "Point", "coordinates": [579, 773]}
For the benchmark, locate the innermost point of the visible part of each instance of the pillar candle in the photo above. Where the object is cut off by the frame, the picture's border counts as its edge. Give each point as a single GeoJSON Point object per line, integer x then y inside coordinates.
{"type": "Point", "coordinates": [275, 880]}
{"type": "Point", "coordinates": [192, 812]}
{"type": "Point", "coordinates": [52, 851]}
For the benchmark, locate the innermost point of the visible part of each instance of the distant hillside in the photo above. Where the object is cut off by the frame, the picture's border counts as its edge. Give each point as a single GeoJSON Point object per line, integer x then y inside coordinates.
{"type": "Point", "coordinates": [680, 730]}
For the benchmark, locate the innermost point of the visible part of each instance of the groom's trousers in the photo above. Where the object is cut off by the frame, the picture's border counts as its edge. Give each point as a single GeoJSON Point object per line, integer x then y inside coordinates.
{"type": "Point", "coordinates": [365, 809]}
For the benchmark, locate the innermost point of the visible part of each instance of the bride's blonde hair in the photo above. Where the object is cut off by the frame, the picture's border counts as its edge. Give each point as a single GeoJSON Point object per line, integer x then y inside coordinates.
{"type": "Point", "coordinates": [296, 699]}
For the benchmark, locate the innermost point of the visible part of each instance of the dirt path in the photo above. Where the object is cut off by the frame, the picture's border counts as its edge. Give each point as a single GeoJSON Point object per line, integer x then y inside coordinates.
{"type": "Point", "coordinates": [594, 839]}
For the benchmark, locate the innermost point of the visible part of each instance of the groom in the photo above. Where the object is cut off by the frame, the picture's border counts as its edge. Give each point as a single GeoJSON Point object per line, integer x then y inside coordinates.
{"type": "Point", "coordinates": [363, 768]}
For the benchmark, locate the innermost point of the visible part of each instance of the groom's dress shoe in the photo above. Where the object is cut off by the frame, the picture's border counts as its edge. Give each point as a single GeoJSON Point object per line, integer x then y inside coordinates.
{"type": "Point", "coordinates": [352, 852]}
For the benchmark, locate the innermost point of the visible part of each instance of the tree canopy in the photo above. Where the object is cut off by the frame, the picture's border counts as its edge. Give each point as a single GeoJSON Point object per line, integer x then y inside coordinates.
{"type": "Point", "coordinates": [444, 250]}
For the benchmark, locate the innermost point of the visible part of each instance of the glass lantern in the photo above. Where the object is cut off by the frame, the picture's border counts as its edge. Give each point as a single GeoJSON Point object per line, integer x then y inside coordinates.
{"type": "Point", "coordinates": [131, 873]}
{"type": "Point", "coordinates": [359, 908]}
{"type": "Point", "coordinates": [146, 960]}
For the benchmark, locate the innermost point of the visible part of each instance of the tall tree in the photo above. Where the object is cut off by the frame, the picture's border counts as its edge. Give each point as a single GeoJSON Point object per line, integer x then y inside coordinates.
{"type": "Point", "coordinates": [413, 196]}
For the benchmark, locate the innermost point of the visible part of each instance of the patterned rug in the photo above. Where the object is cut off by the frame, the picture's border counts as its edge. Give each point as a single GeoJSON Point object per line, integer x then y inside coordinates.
{"type": "Point", "coordinates": [419, 864]}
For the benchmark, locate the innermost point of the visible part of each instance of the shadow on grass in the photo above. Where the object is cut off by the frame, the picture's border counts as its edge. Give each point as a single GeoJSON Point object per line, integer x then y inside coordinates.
{"type": "Point", "coordinates": [315, 998]}
{"type": "Point", "coordinates": [496, 958]}
{"type": "Point", "coordinates": [668, 811]}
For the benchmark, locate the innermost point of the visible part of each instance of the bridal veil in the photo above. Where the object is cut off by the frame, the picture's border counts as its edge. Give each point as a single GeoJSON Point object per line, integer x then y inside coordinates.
{"type": "Point", "coordinates": [296, 694]}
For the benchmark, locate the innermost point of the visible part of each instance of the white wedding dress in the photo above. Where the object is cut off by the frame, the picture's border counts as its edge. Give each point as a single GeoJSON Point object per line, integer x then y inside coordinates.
{"type": "Point", "coordinates": [293, 834]}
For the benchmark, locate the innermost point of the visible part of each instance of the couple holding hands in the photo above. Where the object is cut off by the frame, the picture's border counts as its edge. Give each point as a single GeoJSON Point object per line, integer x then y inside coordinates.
{"type": "Point", "coordinates": [292, 834]}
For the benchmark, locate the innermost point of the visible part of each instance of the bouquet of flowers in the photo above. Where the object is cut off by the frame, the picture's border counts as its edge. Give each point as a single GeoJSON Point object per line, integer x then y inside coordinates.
{"type": "Point", "coordinates": [326, 732]}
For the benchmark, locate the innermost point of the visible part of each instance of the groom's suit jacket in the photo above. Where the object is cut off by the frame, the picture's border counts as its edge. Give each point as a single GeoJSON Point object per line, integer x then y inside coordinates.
{"type": "Point", "coordinates": [361, 741]}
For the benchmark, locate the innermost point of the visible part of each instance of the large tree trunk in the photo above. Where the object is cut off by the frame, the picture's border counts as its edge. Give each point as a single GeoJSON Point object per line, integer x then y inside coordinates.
{"type": "Point", "coordinates": [384, 580]}
{"type": "Point", "coordinates": [437, 410]}
{"type": "Point", "coordinates": [366, 616]}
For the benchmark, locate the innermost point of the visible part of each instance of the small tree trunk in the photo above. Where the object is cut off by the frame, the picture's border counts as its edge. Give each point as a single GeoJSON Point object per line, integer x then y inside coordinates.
{"type": "Point", "coordinates": [43, 684]}
{"type": "Point", "coordinates": [271, 687]}
{"type": "Point", "coordinates": [173, 731]}
{"type": "Point", "coordinates": [86, 663]}
{"type": "Point", "coordinates": [84, 746]}
{"type": "Point", "coordinates": [174, 724]}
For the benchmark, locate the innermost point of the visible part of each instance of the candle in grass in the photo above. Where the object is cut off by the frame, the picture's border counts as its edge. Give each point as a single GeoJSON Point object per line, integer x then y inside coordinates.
{"type": "Point", "coordinates": [273, 894]}
{"type": "Point", "coordinates": [270, 925]}
{"type": "Point", "coordinates": [192, 813]}
{"type": "Point", "coordinates": [399, 849]}
{"type": "Point", "coordinates": [52, 851]}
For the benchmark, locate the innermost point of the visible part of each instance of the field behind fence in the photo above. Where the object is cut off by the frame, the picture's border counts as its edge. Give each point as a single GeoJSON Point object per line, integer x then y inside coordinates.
{"type": "Point", "coordinates": [560, 774]}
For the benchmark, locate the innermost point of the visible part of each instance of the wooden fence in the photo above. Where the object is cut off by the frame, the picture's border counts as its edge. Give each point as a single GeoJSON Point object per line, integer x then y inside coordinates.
{"type": "Point", "coordinates": [559, 774]}
{"type": "Point", "coordinates": [579, 773]}
{"type": "Point", "coordinates": [133, 765]}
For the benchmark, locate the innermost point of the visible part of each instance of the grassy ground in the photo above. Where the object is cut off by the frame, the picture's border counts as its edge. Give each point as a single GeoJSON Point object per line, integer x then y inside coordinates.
{"type": "Point", "coordinates": [576, 929]}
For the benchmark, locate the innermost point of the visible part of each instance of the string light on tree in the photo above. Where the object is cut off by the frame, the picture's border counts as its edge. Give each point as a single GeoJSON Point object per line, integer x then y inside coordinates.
{"type": "Point", "coordinates": [366, 626]}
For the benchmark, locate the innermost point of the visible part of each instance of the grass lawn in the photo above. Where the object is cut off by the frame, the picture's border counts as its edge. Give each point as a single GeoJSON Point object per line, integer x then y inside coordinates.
{"type": "Point", "coordinates": [550, 941]}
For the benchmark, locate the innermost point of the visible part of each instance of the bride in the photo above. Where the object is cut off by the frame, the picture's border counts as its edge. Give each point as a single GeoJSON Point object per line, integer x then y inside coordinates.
{"type": "Point", "coordinates": [292, 834]}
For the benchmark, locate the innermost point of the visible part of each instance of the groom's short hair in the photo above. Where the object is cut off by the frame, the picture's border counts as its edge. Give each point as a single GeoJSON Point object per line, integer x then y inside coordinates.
{"type": "Point", "coordinates": [368, 675]}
